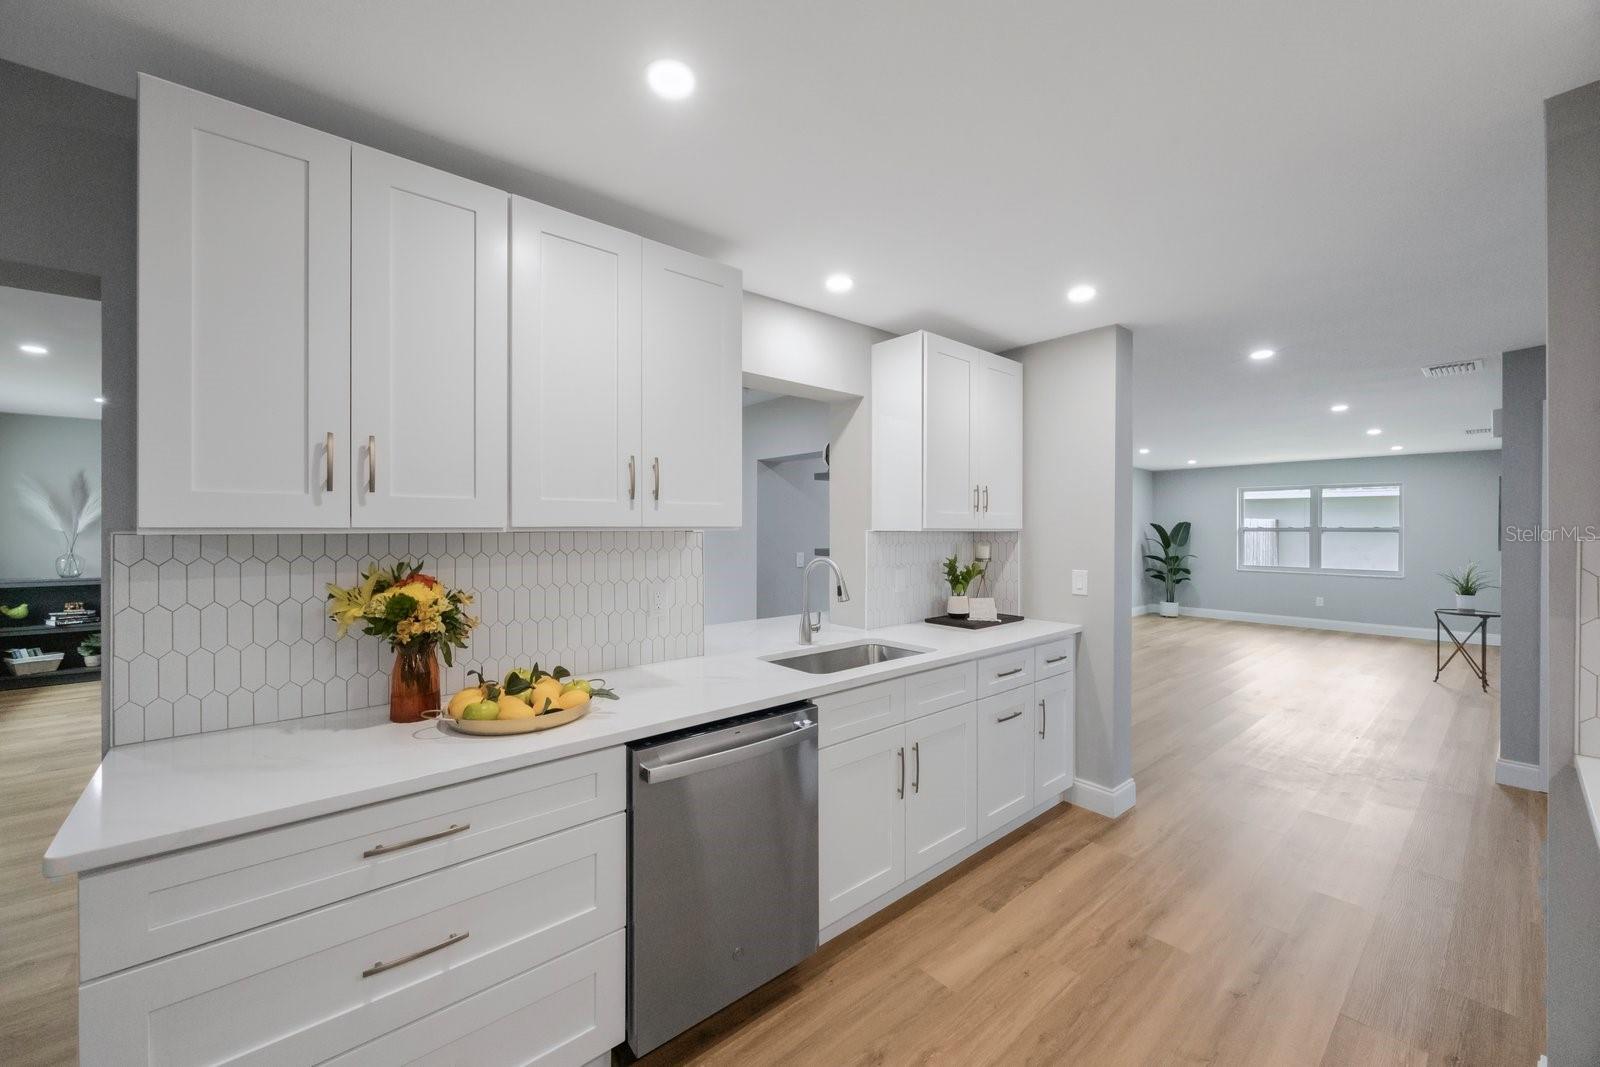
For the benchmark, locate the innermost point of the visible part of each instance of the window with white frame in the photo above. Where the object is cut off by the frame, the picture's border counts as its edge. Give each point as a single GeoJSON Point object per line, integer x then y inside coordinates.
{"type": "Point", "coordinates": [1340, 529]}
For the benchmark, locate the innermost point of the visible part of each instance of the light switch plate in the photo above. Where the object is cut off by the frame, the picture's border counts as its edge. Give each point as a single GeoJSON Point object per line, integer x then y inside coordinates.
{"type": "Point", "coordinates": [1319, 602]}
{"type": "Point", "coordinates": [799, 559]}
{"type": "Point", "coordinates": [1080, 583]}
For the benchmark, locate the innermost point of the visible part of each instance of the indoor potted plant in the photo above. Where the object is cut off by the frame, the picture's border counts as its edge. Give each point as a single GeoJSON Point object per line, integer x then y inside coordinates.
{"type": "Point", "coordinates": [89, 649]}
{"type": "Point", "coordinates": [960, 579]}
{"type": "Point", "coordinates": [419, 618]}
{"type": "Point", "coordinates": [1170, 565]}
{"type": "Point", "coordinates": [1467, 584]}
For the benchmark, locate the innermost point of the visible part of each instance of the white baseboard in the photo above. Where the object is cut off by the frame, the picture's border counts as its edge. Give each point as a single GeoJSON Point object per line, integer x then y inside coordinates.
{"type": "Point", "coordinates": [1144, 609]}
{"type": "Point", "coordinates": [1519, 775]}
{"type": "Point", "coordinates": [1112, 803]}
{"type": "Point", "coordinates": [1420, 633]}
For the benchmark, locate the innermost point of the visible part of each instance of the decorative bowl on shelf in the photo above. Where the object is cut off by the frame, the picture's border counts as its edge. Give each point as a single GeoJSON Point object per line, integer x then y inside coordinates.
{"type": "Point", "coordinates": [41, 663]}
{"type": "Point", "coordinates": [500, 727]}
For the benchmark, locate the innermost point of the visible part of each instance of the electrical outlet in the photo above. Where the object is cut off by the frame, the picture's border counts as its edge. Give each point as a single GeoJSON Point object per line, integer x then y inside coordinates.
{"type": "Point", "coordinates": [1080, 583]}
{"type": "Point", "coordinates": [799, 559]}
{"type": "Point", "coordinates": [659, 600]}
{"type": "Point", "coordinates": [1319, 602]}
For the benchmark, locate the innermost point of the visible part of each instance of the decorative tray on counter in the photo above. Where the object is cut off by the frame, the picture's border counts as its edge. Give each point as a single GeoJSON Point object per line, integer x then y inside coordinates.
{"type": "Point", "coordinates": [971, 624]}
{"type": "Point", "coordinates": [500, 727]}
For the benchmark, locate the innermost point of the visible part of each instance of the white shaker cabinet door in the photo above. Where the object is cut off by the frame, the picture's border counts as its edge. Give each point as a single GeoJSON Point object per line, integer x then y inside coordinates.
{"type": "Point", "coordinates": [575, 371]}
{"type": "Point", "coordinates": [1056, 723]}
{"type": "Point", "coordinates": [428, 345]}
{"type": "Point", "coordinates": [860, 821]}
{"type": "Point", "coordinates": [244, 316]}
{"type": "Point", "coordinates": [1005, 758]}
{"type": "Point", "coordinates": [693, 438]}
{"type": "Point", "coordinates": [950, 492]}
{"type": "Point", "coordinates": [997, 442]}
{"type": "Point", "coordinates": [941, 797]}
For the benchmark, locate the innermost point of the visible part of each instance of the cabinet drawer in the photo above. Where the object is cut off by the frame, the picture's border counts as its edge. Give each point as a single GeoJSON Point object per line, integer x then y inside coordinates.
{"type": "Point", "coordinates": [947, 687]}
{"type": "Point", "coordinates": [323, 983]}
{"type": "Point", "coordinates": [565, 1012]}
{"type": "Point", "coordinates": [857, 712]}
{"type": "Point", "coordinates": [143, 911]}
{"type": "Point", "coordinates": [1006, 671]}
{"type": "Point", "coordinates": [1057, 657]}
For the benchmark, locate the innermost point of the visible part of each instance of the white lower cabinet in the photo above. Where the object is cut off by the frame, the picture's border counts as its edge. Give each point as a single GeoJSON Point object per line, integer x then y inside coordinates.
{"type": "Point", "coordinates": [1005, 757]}
{"type": "Point", "coordinates": [860, 821]}
{"type": "Point", "coordinates": [1054, 762]}
{"type": "Point", "coordinates": [941, 812]}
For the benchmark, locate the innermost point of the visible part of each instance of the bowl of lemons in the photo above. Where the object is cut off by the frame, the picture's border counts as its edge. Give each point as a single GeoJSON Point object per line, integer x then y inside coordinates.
{"type": "Point", "coordinates": [528, 699]}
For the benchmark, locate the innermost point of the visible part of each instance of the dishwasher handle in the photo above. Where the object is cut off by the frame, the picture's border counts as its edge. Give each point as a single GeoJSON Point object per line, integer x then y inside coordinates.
{"type": "Point", "coordinates": [666, 772]}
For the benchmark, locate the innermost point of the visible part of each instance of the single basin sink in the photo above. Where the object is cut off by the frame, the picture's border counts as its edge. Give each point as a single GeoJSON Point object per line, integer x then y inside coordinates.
{"type": "Point", "coordinates": [844, 658]}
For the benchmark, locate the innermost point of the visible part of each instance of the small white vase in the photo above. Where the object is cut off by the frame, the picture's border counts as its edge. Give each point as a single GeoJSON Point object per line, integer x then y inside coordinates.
{"type": "Point", "coordinates": [91, 661]}
{"type": "Point", "coordinates": [1466, 603]}
{"type": "Point", "coordinates": [957, 607]}
{"type": "Point", "coordinates": [1169, 609]}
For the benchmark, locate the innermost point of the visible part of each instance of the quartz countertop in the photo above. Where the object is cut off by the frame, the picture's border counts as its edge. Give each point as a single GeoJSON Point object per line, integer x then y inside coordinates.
{"type": "Point", "coordinates": [159, 796]}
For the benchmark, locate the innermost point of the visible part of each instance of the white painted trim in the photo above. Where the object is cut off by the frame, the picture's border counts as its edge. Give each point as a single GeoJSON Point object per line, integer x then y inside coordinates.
{"type": "Point", "coordinates": [1112, 803]}
{"type": "Point", "coordinates": [1419, 633]}
{"type": "Point", "coordinates": [1144, 609]}
{"type": "Point", "coordinates": [917, 881]}
{"type": "Point", "coordinates": [1519, 775]}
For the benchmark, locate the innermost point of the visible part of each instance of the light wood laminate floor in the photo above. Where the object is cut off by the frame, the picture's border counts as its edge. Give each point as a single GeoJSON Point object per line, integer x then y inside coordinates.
{"type": "Point", "coordinates": [49, 748]}
{"type": "Point", "coordinates": [1320, 870]}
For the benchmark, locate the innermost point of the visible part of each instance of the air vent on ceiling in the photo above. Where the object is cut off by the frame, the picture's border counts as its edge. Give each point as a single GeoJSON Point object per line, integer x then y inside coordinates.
{"type": "Point", "coordinates": [1451, 370]}
{"type": "Point", "coordinates": [1476, 430]}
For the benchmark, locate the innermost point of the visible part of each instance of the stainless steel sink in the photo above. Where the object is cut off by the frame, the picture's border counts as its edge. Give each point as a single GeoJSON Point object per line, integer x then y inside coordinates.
{"type": "Point", "coordinates": [844, 658]}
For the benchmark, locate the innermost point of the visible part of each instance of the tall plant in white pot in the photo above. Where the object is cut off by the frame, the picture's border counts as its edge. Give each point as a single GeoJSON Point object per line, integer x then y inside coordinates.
{"type": "Point", "coordinates": [1467, 584]}
{"type": "Point", "coordinates": [1170, 564]}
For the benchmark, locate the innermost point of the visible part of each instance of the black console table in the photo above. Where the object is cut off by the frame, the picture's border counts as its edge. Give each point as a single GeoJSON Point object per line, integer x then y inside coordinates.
{"type": "Point", "coordinates": [42, 597]}
{"type": "Point", "coordinates": [1463, 643]}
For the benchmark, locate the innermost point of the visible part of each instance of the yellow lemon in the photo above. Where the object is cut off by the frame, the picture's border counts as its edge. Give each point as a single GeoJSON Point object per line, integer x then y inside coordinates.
{"type": "Point", "coordinates": [515, 708]}
{"type": "Point", "coordinates": [572, 699]}
{"type": "Point", "coordinates": [547, 689]}
{"type": "Point", "coordinates": [458, 703]}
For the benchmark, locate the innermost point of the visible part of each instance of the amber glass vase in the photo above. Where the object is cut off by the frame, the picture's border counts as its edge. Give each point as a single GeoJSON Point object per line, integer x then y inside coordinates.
{"type": "Point", "coordinates": [414, 682]}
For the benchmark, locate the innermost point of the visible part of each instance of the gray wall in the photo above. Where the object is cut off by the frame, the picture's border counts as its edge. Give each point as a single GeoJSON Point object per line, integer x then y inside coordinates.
{"type": "Point", "coordinates": [1144, 513]}
{"type": "Point", "coordinates": [1449, 502]}
{"type": "Point", "coordinates": [775, 429]}
{"type": "Point", "coordinates": [791, 519]}
{"type": "Point", "coordinates": [1522, 584]}
{"type": "Point", "coordinates": [1572, 369]}
{"type": "Point", "coordinates": [1078, 515]}
{"type": "Point", "coordinates": [51, 451]}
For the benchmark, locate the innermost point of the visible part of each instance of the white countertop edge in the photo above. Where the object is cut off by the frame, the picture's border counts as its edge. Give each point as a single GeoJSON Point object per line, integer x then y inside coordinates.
{"type": "Point", "coordinates": [81, 846]}
{"type": "Point", "coordinates": [1589, 780]}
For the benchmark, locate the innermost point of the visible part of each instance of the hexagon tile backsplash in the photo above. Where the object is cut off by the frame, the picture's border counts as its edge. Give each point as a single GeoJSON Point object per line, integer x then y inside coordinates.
{"type": "Point", "coordinates": [210, 632]}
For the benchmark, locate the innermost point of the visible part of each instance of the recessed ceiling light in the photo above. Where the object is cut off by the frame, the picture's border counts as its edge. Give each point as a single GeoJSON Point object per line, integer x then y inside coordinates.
{"type": "Point", "coordinates": [1396, 448]}
{"type": "Point", "coordinates": [1144, 451]}
{"type": "Point", "coordinates": [1373, 431]}
{"type": "Point", "coordinates": [99, 400]}
{"type": "Point", "coordinates": [1263, 353]}
{"type": "Point", "coordinates": [670, 79]}
{"type": "Point", "coordinates": [839, 283]}
{"type": "Point", "coordinates": [1339, 409]}
{"type": "Point", "coordinates": [1191, 462]}
{"type": "Point", "coordinates": [1081, 294]}
{"type": "Point", "coordinates": [33, 350]}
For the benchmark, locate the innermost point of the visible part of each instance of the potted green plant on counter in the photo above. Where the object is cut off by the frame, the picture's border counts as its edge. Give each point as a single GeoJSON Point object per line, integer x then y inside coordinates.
{"type": "Point", "coordinates": [960, 580]}
{"type": "Point", "coordinates": [1467, 584]}
{"type": "Point", "coordinates": [1170, 564]}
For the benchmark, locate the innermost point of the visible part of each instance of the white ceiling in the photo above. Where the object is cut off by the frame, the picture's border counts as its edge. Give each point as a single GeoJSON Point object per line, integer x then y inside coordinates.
{"type": "Point", "coordinates": [1357, 183]}
{"type": "Point", "coordinates": [66, 380]}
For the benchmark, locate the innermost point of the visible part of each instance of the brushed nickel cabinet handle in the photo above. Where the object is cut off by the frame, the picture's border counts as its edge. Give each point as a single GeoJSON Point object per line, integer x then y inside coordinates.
{"type": "Point", "coordinates": [631, 478]}
{"type": "Point", "coordinates": [986, 500]}
{"type": "Point", "coordinates": [900, 790]}
{"type": "Point", "coordinates": [1007, 674]}
{"type": "Point", "coordinates": [916, 767]}
{"type": "Point", "coordinates": [389, 965]}
{"type": "Point", "coordinates": [1008, 718]}
{"type": "Point", "coordinates": [1044, 719]}
{"type": "Point", "coordinates": [655, 465]}
{"type": "Point", "coordinates": [327, 454]}
{"type": "Point", "coordinates": [372, 463]}
{"type": "Point", "coordinates": [448, 831]}
{"type": "Point", "coordinates": [1055, 659]}
{"type": "Point", "coordinates": [975, 492]}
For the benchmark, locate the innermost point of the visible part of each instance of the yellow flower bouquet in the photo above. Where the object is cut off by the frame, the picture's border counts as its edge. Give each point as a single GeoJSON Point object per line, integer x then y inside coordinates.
{"type": "Point", "coordinates": [419, 618]}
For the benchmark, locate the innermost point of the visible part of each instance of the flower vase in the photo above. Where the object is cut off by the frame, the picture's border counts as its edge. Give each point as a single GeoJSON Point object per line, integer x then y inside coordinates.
{"type": "Point", "coordinates": [414, 682]}
{"type": "Point", "coordinates": [69, 565]}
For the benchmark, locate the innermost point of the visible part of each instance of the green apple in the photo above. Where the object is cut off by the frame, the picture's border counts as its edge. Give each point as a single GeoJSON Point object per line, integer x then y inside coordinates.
{"type": "Point", "coordinates": [483, 709]}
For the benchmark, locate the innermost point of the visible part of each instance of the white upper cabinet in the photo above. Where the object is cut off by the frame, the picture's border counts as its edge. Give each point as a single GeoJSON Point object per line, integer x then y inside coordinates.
{"type": "Point", "coordinates": [693, 438]}
{"type": "Point", "coordinates": [946, 436]}
{"type": "Point", "coordinates": [428, 346]}
{"type": "Point", "coordinates": [244, 316]}
{"type": "Point", "coordinates": [576, 376]}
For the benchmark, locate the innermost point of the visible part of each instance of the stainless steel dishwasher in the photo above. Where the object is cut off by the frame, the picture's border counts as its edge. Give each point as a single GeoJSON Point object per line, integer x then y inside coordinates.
{"type": "Point", "coordinates": [722, 871]}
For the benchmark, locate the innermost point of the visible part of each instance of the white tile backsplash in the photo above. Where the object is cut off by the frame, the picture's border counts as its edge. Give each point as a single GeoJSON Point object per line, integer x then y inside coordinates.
{"type": "Point", "coordinates": [210, 632]}
{"type": "Point", "coordinates": [905, 573]}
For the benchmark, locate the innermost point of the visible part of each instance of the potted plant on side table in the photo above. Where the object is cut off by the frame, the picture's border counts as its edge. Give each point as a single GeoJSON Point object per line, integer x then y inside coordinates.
{"type": "Point", "coordinates": [1467, 584]}
{"type": "Point", "coordinates": [1169, 566]}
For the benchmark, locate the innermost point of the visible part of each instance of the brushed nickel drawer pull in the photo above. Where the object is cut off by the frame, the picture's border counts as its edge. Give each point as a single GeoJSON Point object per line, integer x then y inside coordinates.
{"type": "Point", "coordinates": [900, 790]}
{"type": "Point", "coordinates": [327, 454]}
{"type": "Point", "coordinates": [916, 766]}
{"type": "Point", "coordinates": [1007, 674]}
{"type": "Point", "coordinates": [1055, 659]}
{"type": "Point", "coordinates": [372, 463]}
{"type": "Point", "coordinates": [631, 478]}
{"type": "Point", "coordinates": [448, 831]}
{"type": "Point", "coordinates": [389, 965]}
{"type": "Point", "coordinates": [986, 500]}
{"type": "Point", "coordinates": [975, 492]}
{"type": "Point", "coordinates": [1008, 718]}
{"type": "Point", "coordinates": [1043, 718]}
{"type": "Point", "coordinates": [655, 465]}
